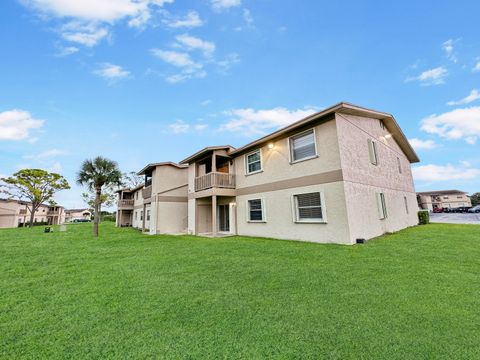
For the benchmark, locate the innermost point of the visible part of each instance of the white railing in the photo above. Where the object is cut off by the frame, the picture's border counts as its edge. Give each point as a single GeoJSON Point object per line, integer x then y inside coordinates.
{"type": "Point", "coordinates": [215, 179]}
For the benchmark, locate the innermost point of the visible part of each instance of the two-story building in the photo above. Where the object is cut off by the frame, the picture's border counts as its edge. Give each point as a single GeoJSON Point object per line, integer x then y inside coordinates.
{"type": "Point", "coordinates": [14, 213]}
{"type": "Point", "coordinates": [443, 199]}
{"type": "Point", "coordinates": [337, 176]}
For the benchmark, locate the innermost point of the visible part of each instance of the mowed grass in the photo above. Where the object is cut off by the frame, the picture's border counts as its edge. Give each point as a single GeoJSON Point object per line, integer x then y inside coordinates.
{"type": "Point", "coordinates": [410, 295]}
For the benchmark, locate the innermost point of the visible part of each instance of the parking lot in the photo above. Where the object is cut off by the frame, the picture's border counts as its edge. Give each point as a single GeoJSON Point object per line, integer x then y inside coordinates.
{"type": "Point", "coordinates": [454, 218]}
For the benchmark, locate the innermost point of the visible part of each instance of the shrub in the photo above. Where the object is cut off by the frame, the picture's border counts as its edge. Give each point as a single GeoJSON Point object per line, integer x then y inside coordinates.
{"type": "Point", "coordinates": [423, 217]}
{"type": "Point", "coordinates": [108, 218]}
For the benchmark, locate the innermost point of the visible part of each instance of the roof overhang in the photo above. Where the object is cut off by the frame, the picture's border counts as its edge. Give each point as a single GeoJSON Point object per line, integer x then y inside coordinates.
{"type": "Point", "coordinates": [152, 166]}
{"type": "Point", "coordinates": [205, 151]}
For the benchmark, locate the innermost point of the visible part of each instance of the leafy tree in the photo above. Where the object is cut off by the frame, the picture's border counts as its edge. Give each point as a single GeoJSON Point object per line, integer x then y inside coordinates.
{"type": "Point", "coordinates": [475, 198]}
{"type": "Point", "coordinates": [132, 180]}
{"type": "Point", "coordinates": [96, 174]}
{"type": "Point", "coordinates": [107, 198]}
{"type": "Point", "coordinates": [36, 186]}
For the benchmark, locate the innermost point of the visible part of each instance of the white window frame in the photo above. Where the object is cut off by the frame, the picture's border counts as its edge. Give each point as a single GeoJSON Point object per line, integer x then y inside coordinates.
{"type": "Point", "coordinates": [373, 152]}
{"type": "Point", "coordinates": [323, 206]}
{"type": "Point", "coordinates": [264, 213]}
{"type": "Point", "coordinates": [381, 206]}
{"type": "Point", "coordinates": [246, 162]}
{"type": "Point", "coordinates": [141, 215]}
{"type": "Point", "coordinates": [290, 150]}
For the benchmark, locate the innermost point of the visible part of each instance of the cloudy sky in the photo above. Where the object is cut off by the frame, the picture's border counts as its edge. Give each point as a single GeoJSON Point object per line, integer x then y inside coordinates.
{"type": "Point", "coordinates": [143, 81]}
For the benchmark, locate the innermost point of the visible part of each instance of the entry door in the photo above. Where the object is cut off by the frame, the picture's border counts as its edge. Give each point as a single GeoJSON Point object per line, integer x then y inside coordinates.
{"type": "Point", "coordinates": [224, 218]}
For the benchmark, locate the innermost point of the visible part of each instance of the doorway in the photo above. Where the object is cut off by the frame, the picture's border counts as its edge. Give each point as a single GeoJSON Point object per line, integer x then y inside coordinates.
{"type": "Point", "coordinates": [224, 218]}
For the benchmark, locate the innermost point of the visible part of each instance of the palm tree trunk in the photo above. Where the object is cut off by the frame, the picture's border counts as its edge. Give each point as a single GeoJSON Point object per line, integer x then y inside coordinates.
{"type": "Point", "coordinates": [96, 219]}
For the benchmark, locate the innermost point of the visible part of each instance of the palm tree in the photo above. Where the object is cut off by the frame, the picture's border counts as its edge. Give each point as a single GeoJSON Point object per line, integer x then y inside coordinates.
{"type": "Point", "coordinates": [95, 174]}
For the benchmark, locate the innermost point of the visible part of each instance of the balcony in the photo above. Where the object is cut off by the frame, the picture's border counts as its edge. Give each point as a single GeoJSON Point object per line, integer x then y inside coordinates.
{"type": "Point", "coordinates": [215, 180]}
{"type": "Point", "coordinates": [147, 192]}
{"type": "Point", "coordinates": [126, 204]}
{"type": "Point", "coordinates": [23, 212]}
{"type": "Point", "coordinates": [53, 213]}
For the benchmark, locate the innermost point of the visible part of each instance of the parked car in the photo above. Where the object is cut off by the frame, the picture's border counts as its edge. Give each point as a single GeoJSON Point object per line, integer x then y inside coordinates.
{"type": "Point", "coordinates": [475, 209]}
{"type": "Point", "coordinates": [438, 210]}
{"type": "Point", "coordinates": [462, 209]}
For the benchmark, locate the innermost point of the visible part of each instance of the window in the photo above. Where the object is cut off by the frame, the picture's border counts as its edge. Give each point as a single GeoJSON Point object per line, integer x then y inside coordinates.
{"type": "Point", "coordinates": [399, 165]}
{"type": "Point", "coordinates": [382, 124]}
{"type": "Point", "coordinates": [406, 204]}
{"type": "Point", "coordinates": [308, 207]}
{"type": "Point", "coordinates": [372, 151]}
{"type": "Point", "coordinates": [136, 215]}
{"type": "Point", "coordinates": [255, 210]}
{"type": "Point", "coordinates": [253, 162]}
{"type": "Point", "coordinates": [136, 195]}
{"type": "Point", "coordinates": [302, 146]}
{"type": "Point", "coordinates": [382, 206]}
{"type": "Point", "coordinates": [148, 215]}
{"type": "Point", "coordinates": [445, 197]}
{"type": "Point", "coordinates": [141, 215]}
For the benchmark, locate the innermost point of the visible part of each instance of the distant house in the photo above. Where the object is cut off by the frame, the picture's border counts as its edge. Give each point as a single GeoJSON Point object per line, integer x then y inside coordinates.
{"type": "Point", "coordinates": [442, 199]}
{"type": "Point", "coordinates": [77, 214]}
{"type": "Point", "coordinates": [14, 213]}
{"type": "Point", "coordinates": [336, 176]}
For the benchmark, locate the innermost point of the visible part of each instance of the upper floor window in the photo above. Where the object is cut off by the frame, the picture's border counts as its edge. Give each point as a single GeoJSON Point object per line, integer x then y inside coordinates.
{"type": "Point", "coordinates": [372, 151]}
{"type": "Point", "coordinates": [255, 210]}
{"type": "Point", "coordinates": [303, 146]}
{"type": "Point", "coordinates": [253, 162]}
{"type": "Point", "coordinates": [308, 207]}
{"type": "Point", "coordinates": [399, 163]}
{"type": "Point", "coordinates": [136, 195]}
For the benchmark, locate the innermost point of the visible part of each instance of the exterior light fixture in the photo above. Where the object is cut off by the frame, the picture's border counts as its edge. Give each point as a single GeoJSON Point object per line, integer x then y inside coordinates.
{"type": "Point", "coordinates": [271, 146]}
{"type": "Point", "coordinates": [388, 136]}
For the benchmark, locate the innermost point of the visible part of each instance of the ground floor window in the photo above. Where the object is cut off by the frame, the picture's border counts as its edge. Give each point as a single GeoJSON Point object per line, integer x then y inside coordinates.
{"type": "Point", "coordinates": [255, 210]}
{"type": "Point", "coordinates": [141, 214]}
{"type": "Point", "coordinates": [308, 207]}
{"type": "Point", "coordinates": [382, 206]}
{"type": "Point", "coordinates": [148, 215]}
{"type": "Point", "coordinates": [406, 204]}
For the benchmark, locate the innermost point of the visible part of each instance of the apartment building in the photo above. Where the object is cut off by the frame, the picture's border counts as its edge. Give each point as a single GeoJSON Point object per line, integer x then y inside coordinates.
{"type": "Point", "coordinates": [14, 213]}
{"type": "Point", "coordinates": [72, 215]}
{"type": "Point", "coordinates": [443, 199]}
{"type": "Point", "coordinates": [337, 176]}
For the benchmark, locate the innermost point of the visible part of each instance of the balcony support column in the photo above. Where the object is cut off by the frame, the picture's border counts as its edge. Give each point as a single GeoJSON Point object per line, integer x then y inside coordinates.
{"type": "Point", "coordinates": [214, 162]}
{"type": "Point", "coordinates": [214, 215]}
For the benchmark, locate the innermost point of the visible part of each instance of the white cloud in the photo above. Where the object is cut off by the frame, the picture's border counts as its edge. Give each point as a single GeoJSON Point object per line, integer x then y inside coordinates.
{"type": "Point", "coordinates": [111, 72]}
{"type": "Point", "coordinates": [449, 48]}
{"type": "Point", "coordinates": [219, 5]}
{"type": "Point", "coordinates": [419, 144]}
{"type": "Point", "coordinates": [179, 127]}
{"type": "Point", "coordinates": [444, 173]}
{"type": "Point", "coordinates": [247, 16]}
{"type": "Point", "coordinates": [89, 21]}
{"type": "Point", "coordinates": [474, 95]}
{"type": "Point", "coordinates": [456, 124]}
{"type": "Point", "coordinates": [206, 102]}
{"type": "Point", "coordinates": [200, 127]}
{"type": "Point", "coordinates": [52, 153]}
{"type": "Point", "coordinates": [189, 68]}
{"type": "Point", "coordinates": [194, 43]}
{"type": "Point", "coordinates": [65, 51]}
{"type": "Point", "coordinates": [17, 124]}
{"type": "Point", "coordinates": [254, 122]}
{"type": "Point", "coordinates": [476, 67]}
{"type": "Point", "coordinates": [83, 33]}
{"type": "Point", "coordinates": [228, 61]}
{"type": "Point", "coordinates": [434, 76]}
{"type": "Point", "coordinates": [192, 19]}
{"type": "Point", "coordinates": [56, 167]}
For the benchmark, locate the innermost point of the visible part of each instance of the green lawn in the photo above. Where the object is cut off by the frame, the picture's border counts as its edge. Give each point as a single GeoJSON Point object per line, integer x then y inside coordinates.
{"type": "Point", "coordinates": [414, 294]}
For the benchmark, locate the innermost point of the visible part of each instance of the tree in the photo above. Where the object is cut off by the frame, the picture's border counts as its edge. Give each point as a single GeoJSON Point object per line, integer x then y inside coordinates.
{"type": "Point", "coordinates": [95, 174]}
{"type": "Point", "coordinates": [107, 198]}
{"type": "Point", "coordinates": [475, 198]}
{"type": "Point", "coordinates": [132, 180]}
{"type": "Point", "coordinates": [36, 186]}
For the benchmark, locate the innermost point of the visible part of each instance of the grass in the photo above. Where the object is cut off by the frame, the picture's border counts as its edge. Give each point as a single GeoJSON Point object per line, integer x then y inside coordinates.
{"type": "Point", "coordinates": [413, 294]}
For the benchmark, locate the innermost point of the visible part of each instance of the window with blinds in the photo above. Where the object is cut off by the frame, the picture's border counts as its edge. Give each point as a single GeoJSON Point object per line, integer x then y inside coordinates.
{"type": "Point", "coordinates": [302, 146]}
{"type": "Point", "coordinates": [382, 206]}
{"type": "Point", "coordinates": [253, 162]}
{"type": "Point", "coordinates": [308, 207]}
{"type": "Point", "coordinates": [399, 163]}
{"type": "Point", "coordinates": [255, 210]}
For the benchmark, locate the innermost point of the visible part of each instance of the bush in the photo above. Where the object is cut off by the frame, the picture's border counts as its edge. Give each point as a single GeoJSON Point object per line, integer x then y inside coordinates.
{"type": "Point", "coordinates": [423, 217]}
{"type": "Point", "coordinates": [108, 218]}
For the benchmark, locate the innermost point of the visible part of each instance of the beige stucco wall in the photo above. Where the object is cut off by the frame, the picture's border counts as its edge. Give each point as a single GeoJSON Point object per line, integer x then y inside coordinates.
{"type": "Point", "coordinates": [276, 164]}
{"type": "Point", "coordinates": [280, 217]}
{"type": "Point", "coordinates": [9, 214]}
{"type": "Point", "coordinates": [363, 180]}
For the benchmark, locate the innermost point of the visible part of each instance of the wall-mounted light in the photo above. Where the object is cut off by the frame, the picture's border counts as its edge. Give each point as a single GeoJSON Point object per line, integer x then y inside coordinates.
{"type": "Point", "coordinates": [388, 136]}
{"type": "Point", "coordinates": [270, 146]}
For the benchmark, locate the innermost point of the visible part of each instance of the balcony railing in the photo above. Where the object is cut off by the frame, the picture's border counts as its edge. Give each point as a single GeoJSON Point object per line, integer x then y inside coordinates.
{"type": "Point", "coordinates": [53, 212]}
{"type": "Point", "coordinates": [215, 180]}
{"type": "Point", "coordinates": [23, 212]}
{"type": "Point", "coordinates": [147, 192]}
{"type": "Point", "coordinates": [125, 203]}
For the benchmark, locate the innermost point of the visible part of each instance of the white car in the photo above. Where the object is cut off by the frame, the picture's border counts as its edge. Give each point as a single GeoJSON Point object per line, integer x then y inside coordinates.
{"type": "Point", "coordinates": [475, 209]}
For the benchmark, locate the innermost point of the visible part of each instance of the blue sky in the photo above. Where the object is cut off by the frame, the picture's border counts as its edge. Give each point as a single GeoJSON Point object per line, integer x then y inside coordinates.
{"type": "Point", "coordinates": [144, 81]}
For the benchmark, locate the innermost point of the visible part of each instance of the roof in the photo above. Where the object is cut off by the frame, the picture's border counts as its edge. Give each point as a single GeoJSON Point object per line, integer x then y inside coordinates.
{"type": "Point", "coordinates": [24, 202]}
{"type": "Point", "coordinates": [346, 108]}
{"type": "Point", "coordinates": [205, 151]}
{"type": "Point", "coordinates": [76, 210]}
{"type": "Point", "coordinates": [131, 189]}
{"type": "Point", "coordinates": [165, 163]}
{"type": "Point", "coordinates": [441, 192]}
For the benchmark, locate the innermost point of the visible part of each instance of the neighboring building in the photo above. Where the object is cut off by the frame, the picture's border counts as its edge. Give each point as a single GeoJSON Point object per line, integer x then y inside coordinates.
{"type": "Point", "coordinates": [14, 213]}
{"type": "Point", "coordinates": [336, 176]}
{"type": "Point", "coordinates": [443, 199]}
{"type": "Point", "coordinates": [77, 214]}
